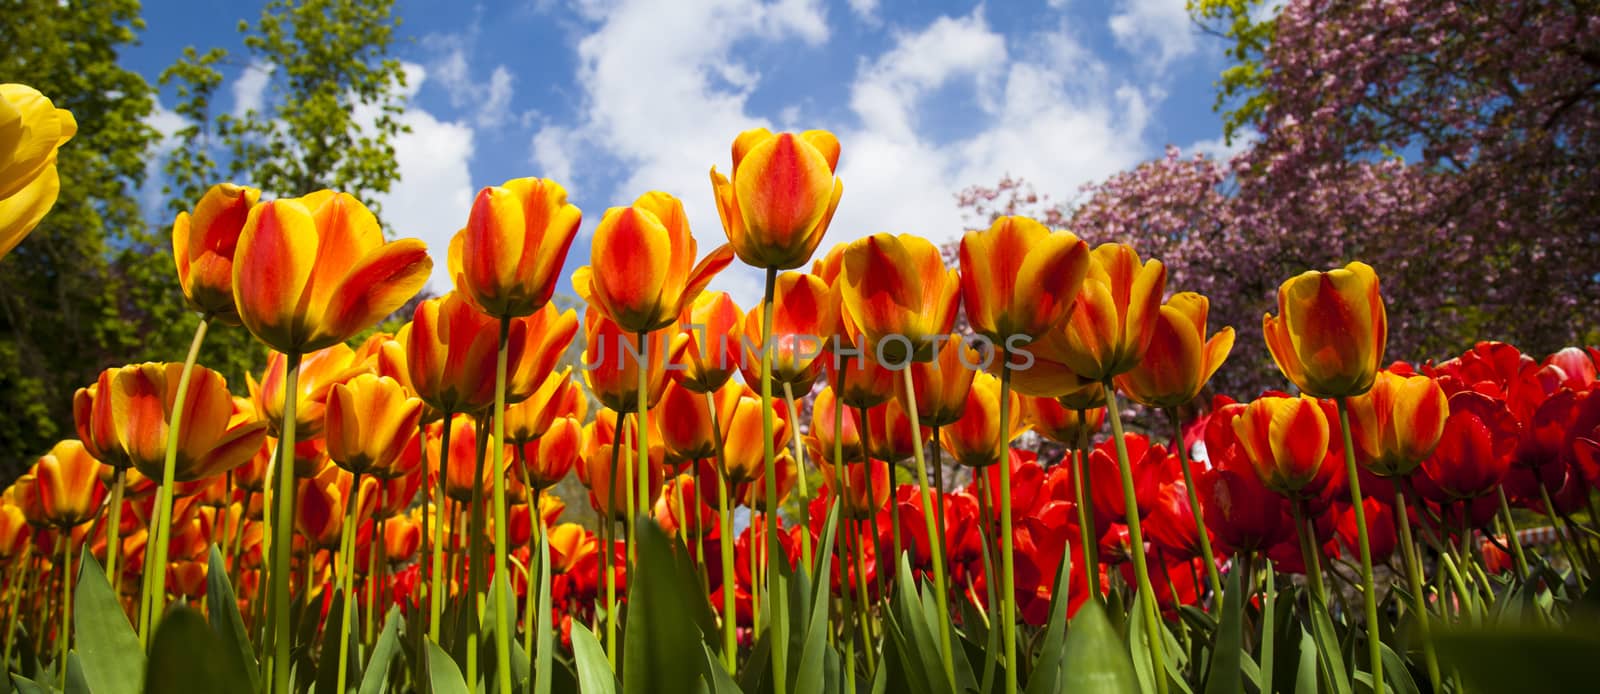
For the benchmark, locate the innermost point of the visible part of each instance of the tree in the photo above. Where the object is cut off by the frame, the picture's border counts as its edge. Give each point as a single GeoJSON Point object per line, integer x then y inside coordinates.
{"type": "Point", "coordinates": [1423, 137]}
{"type": "Point", "coordinates": [70, 299]}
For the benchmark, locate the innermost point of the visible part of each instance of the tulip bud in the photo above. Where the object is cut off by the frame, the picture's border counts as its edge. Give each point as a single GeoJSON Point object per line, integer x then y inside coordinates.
{"type": "Point", "coordinates": [782, 196]}
{"type": "Point", "coordinates": [203, 246]}
{"type": "Point", "coordinates": [1330, 331]}
{"type": "Point", "coordinates": [508, 259]}
{"type": "Point", "coordinates": [1285, 440]}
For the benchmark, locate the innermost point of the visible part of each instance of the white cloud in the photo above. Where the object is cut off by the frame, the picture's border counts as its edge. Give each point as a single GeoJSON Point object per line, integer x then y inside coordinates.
{"type": "Point", "coordinates": [867, 10]}
{"type": "Point", "coordinates": [1220, 149]}
{"type": "Point", "coordinates": [663, 110]}
{"type": "Point", "coordinates": [488, 101]}
{"type": "Point", "coordinates": [250, 88]}
{"type": "Point", "coordinates": [434, 194]}
{"type": "Point", "coordinates": [1157, 30]}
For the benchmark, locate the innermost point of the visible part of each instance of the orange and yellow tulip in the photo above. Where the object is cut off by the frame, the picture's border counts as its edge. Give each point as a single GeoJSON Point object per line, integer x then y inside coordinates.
{"type": "Point", "coordinates": [782, 195]}
{"type": "Point", "coordinates": [218, 433]}
{"type": "Point", "coordinates": [14, 533]}
{"type": "Point", "coordinates": [508, 259]}
{"type": "Point", "coordinates": [1055, 421]}
{"type": "Point", "coordinates": [1397, 424]}
{"type": "Point", "coordinates": [534, 348]}
{"type": "Point", "coordinates": [898, 292]}
{"type": "Point", "coordinates": [1330, 331]}
{"type": "Point", "coordinates": [320, 371]}
{"type": "Point", "coordinates": [978, 438]}
{"type": "Point", "coordinates": [611, 362]}
{"type": "Point", "coordinates": [686, 429]}
{"type": "Point", "coordinates": [203, 244]}
{"type": "Point", "coordinates": [97, 424]}
{"type": "Point", "coordinates": [1285, 439]}
{"type": "Point", "coordinates": [1180, 359]}
{"type": "Point", "coordinates": [803, 312]}
{"type": "Point", "coordinates": [32, 130]}
{"type": "Point", "coordinates": [68, 487]}
{"type": "Point", "coordinates": [642, 269]}
{"type": "Point", "coordinates": [942, 384]}
{"type": "Point", "coordinates": [371, 422]}
{"type": "Point", "coordinates": [1114, 319]}
{"type": "Point", "coordinates": [710, 350]}
{"type": "Point", "coordinates": [743, 454]}
{"type": "Point", "coordinates": [595, 473]}
{"type": "Point", "coordinates": [549, 458]}
{"type": "Point", "coordinates": [312, 272]}
{"type": "Point", "coordinates": [820, 440]}
{"type": "Point", "coordinates": [556, 398]}
{"type": "Point", "coordinates": [450, 354]}
{"type": "Point", "coordinates": [697, 518]}
{"type": "Point", "coordinates": [853, 485]}
{"type": "Point", "coordinates": [1018, 278]}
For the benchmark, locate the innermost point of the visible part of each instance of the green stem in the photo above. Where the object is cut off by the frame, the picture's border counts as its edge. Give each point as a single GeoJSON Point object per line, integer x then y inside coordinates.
{"type": "Point", "coordinates": [1308, 550]}
{"type": "Point", "coordinates": [18, 576]}
{"type": "Point", "coordinates": [1419, 603]}
{"type": "Point", "coordinates": [158, 595]}
{"type": "Point", "coordinates": [114, 530]}
{"type": "Point", "coordinates": [609, 556]}
{"type": "Point", "coordinates": [775, 582]}
{"type": "Point", "coordinates": [941, 593]}
{"type": "Point", "coordinates": [283, 533]}
{"type": "Point", "coordinates": [502, 602]}
{"type": "Point", "coordinates": [1369, 593]}
{"type": "Point", "coordinates": [536, 521]}
{"type": "Point", "coordinates": [1511, 534]}
{"type": "Point", "coordinates": [66, 601]}
{"type": "Point", "coordinates": [347, 569]}
{"type": "Point", "coordinates": [475, 550]}
{"type": "Point", "coordinates": [799, 471]}
{"type": "Point", "coordinates": [1562, 537]}
{"type": "Point", "coordinates": [641, 421]}
{"type": "Point", "coordinates": [872, 494]}
{"type": "Point", "coordinates": [1194, 507]}
{"type": "Point", "coordinates": [1086, 522]}
{"type": "Point", "coordinates": [730, 639]}
{"type": "Point", "coordinates": [437, 584]}
{"type": "Point", "coordinates": [1007, 588]}
{"type": "Point", "coordinates": [1141, 569]}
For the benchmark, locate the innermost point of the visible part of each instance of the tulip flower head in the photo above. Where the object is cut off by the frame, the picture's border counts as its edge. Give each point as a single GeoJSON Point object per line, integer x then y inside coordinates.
{"type": "Point", "coordinates": [68, 485]}
{"type": "Point", "coordinates": [782, 196]}
{"type": "Point", "coordinates": [1059, 423]}
{"type": "Point", "coordinates": [1330, 331]}
{"type": "Point", "coordinates": [371, 422]}
{"type": "Point", "coordinates": [32, 129]}
{"type": "Point", "coordinates": [898, 292]}
{"type": "Point", "coordinates": [1114, 319]}
{"type": "Point", "coordinates": [1285, 439]}
{"type": "Point", "coordinates": [312, 272]}
{"type": "Point", "coordinates": [508, 259]}
{"type": "Point", "coordinates": [549, 458]}
{"type": "Point", "coordinates": [642, 269]}
{"type": "Point", "coordinates": [203, 246]}
{"type": "Point", "coordinates": [1397, 424]}
{"type": "Point", "coordinates": [1020, 279]}
{"type": "Point", "coordinates": [1180, 359]}
{"type": "Point", "coordinates": [978, 438]}
{"type": "Point", "coordinates": [710, 350]}
{"type": "Point", "coordinates": [802, 314]}
{"type": "Point", "coordinates": [216, 434]}
{"type": "Point", "coordinates": [320, 371]}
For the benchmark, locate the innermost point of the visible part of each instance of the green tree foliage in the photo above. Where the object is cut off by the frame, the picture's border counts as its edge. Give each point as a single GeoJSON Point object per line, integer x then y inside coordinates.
{"type": "Point", "coordinates": [1248, 27]}
{"type": "Point", "coordinates": [74, 296]}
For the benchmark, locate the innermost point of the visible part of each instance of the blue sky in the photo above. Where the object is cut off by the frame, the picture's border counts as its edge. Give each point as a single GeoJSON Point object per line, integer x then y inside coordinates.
{"type": "Point", "coordinates": [616, 97]}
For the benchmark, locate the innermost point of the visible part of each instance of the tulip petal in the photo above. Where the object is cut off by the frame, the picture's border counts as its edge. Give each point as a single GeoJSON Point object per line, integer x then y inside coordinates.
{"type": "Point", "coordinates": [21, 212]}
{"type": "Point", "coordinates": [381, 282]}
{"type": "Point", "coordinates": [274, 261]}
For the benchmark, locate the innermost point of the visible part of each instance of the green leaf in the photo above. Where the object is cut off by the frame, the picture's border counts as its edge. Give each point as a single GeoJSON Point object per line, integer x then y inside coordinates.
{"type": "Point", "coordinates": [443, 674]}
{"type": "Point", "coordinates": [328, 665]}
{"type": "Point", "coordinates": [1093, 657]}
{"type": "Point", "coordinates": [222, 610]}
{"type": "Point", "coordinates": [1137, 648]}
{"type": "Point", "coordinates": [75, 683]}
{"type": "Point", "coordinates": [27, 686]}
{"type": "Point", "coordinates": [1047, 670]}
{"type": "Point", "coordinates": [185, 656]}
{"type": "Point", "coordinates": [1396, 674]}
{"type": "Point", "coordinates": [716, 677]}
{"type": "Point", "coordinates": [1269, 628]}
{"type": "Point", "coordinates": [1328, 648]}
{"type": "Point", "coordinates": [1522, 658]}
{"type": "Point", "coordinates": [755, 666]}
{"type": "Point", "coordinates": [1305, 678]}
{"type": "Point", "coordinates": [543, 646]}
{"type": "Point", "coordinates": [1224, 677]}
{"type": "Point", "coordinates": [594, 671]}
{"type": "Point", "coordinates": [113, 661]}
{"type": "Point", "coordinates": [922, 649]}
{"type": "Point", "coordinates": [660, 617]}
{"type": "Point", "coordinates": [377, 672]}
{"type": "Point", "coordinates": [812, 664]}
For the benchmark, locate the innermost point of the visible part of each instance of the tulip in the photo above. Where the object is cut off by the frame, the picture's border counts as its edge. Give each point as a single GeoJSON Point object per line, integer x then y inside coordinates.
{"type": "Point", "coordinates": [1330, 331]}
{"type": "Point", "coordinates": [371, 421]}
{"type": "Point", "coordinates": [14, 533]}
{"type": "Point", "coordinates": [203, 246]}
{"type": "Point", "coordinates": [824, 435]}
{"type": "Point", "coordinates": [1064, 425]}
{"type": "Point", "coordinates": [979, 438]}
{"type": "Point", "coordinates": [557, 398]}
{"type": "Point", "coordinates": [1397, 423]}
{"type": "Point", "coordinates": [1577, 365]}
{"type": "Point", "coordinates": [782, 195]}
{"type": "Point", "coordinates": [802, 313]}
{"type": "Point", "coordinates": [216, 437]}
{"type": "Point", "coordinates": [862, 381]}
{"type": "Point", "coordinates": [681, 511]}
{"type": "Point", "coordinates": [1285, 440]}
{"type": "Point", "coordinates": [69, 489]}
{"type": "Point", "coordinates": [508, 259]}
{"type": "Point", "coordinates": [754, 494]}
{"type": "Point", "coordinates": [318, 373]}
{"type": "Point", "coordinates": [940, 386]}
{"type": "Point", "coordinates": [596, 474]}
{"type": "Point", "coordinates": [611, 364]}
{"type": "Point", "coordinates": [449, 348]}
{"type": "Point", "coordinates": [534, 346]}
{"type": "Point", "coordinates": [897, 290]}
{"type": "Point", "coordinates": [642, 271]}
{"type": "Point", "coordinates": [1180, 359]}
{"type": "Point", "coordinates": [33, 129]}
{"type": "Point", "coordinates": [887, 432]}
{"type": "Point", "coordinates": [710, 342]}
{"type": "Point", "coordinates": [1116, 315]}
{"type": "Point", "coordinates": [402, 537]}
{"type": "Point", "coordinates": [687, 431]}
{"type": "Point", "coordinates": [312, 272]}
{"type": "Point", "coordinates": [742, 432]}
{"type": "Point", "coordinates": [97, 424]}
{"type": "Point", "coordinates": [1019, 279]}
{"type": "Point", "coordinates": [547, 460]}
{"type": "Point", "coordinates": [1475, 447]}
